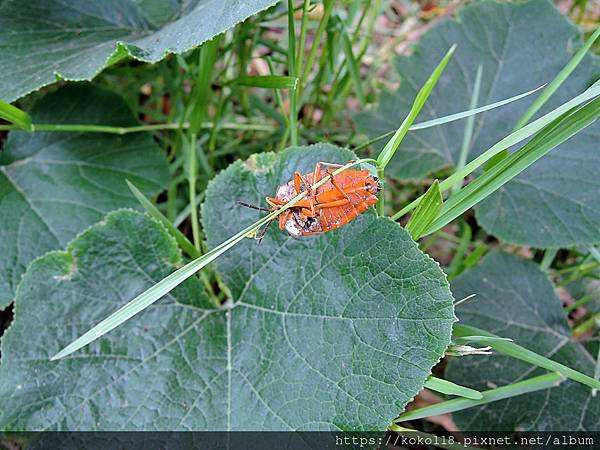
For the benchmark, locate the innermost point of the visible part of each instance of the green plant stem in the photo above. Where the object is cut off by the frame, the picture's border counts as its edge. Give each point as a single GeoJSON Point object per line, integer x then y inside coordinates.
{"type": "Point", "coordinates": [302, 40]}
{"type": "Point", "coordinates": [88, 128]}
{"type": "Point", "coordinates": [310, 59]}
{"type": "Point", "coordinates": [381, 202]}
{"type": "Point", "coordinates": [193, 170]}
{"type": "Point", "coordinates": [293, 93]}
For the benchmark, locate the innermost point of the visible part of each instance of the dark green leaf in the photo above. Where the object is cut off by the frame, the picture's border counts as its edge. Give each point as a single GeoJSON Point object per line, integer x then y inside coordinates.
{"type": "Point", "coordinates": [516, 300]}
{"type": "Point", "coordinates": [350, 321]}
{"type": "Point", "coordinates": [551, 203]}
{"type": "Point", "coordinates": [164, 370]}
{"type": "Point", "coordinates": [344, 343]}
{"type": "Point", "coordinates": [57, 184]}
{"type": "Point", "coordinates": [76, 39]}
{"type": "Point", "coordinates": [482, 188]}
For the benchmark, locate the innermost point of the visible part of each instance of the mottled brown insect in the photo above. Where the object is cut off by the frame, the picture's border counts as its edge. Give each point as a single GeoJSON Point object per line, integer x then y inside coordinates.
{"type": "Point", "coordinates": [332, 205]}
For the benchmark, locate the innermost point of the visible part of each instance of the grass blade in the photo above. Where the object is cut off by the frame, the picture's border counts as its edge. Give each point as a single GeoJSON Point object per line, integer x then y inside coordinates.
{"type": "Point", "coordinates": [353, 68]}
{"type": "Point", "coordinates": [468, 134]}
{"type": "Point", "coordinates": [293, 93]}
{"type": "Point", "coordinates": [390, 148]}
{"type": "Point", "coordinates": [266, 81]}
{"type": "Point", "coordinates": [312, 53]}
{"type": "Point", "coordinates": [449, 388]}
{"type": "Point", "coordinates": [513, 138]}
{"type": "Point", "coordinates": [477, 339]}
{"type": "Point", "coordinates": [153, 211]}
{"type": "Point", "coordinates": [558, 80]}
{"type": "Point", "coordinates": [173, 280]}
{"type": "Point", "coordinates": [518, 352]}
{"type": "Point", "coordinates": [451, 118]}
{"type": "Point", "coordinates": [15, 116]}
{"type": "Point", "coordinates": [533, 384]}
{"type": "Point", "coordinates": [505, 170]}
{"type": "Point", "coordinates": [426, 212]}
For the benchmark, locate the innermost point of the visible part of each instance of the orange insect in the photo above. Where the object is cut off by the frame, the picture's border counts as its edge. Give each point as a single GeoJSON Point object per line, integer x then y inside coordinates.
{"type": "Point", "coordinates": [332, 205]}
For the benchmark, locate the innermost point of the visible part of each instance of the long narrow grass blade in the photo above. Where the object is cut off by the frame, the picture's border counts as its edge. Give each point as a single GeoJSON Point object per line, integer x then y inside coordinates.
{"type": "Point", "coordinates": [513, 138]}
{"type": "Point", "coordinates": [504, 171]}
{"type": "Point", "coordinates": [293, 93]}
{"type": "Point", "coordinates": [518, 352]}
{"type": "Point", "coordinates": [15, 116]}
{"type": "Point", "coordinates": [533, 384]}
{"type": "Point", "coordinates": [390, 149]}
{"type": "Point", "coordinates": [471, 112]}
{"type": "Point", "coordinates": [558, 80]}
{"type": "Point", "coordinates": [451, 118]}
{"type": "Point", "coordinates": [266, 81]}
{"type": "Point", "coordinates": [181, 239]}
{"type": "Point", "coordinates": [353, 68]}
{"type": "Point", "coordinates": [173, 280]}
{"type": "Point", "coordinates": [478, 339]}
{"type": "Point", "coordinates": [426, 212]}
{"type": "Point", "coordinates": [450, 388]}
{"type": "Point", "coordinates": [468, 134]}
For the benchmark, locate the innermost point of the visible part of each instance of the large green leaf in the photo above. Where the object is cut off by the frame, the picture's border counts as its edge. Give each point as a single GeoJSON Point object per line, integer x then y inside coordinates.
{"type": "Point", "coordinates": [519, 46]}
{"type": "Point", "coordinates": [331, 331]}
{"type": "Point", "coordinates": [515, 299]}
{"type": "Point", "coordinates": [161, 370]}
{"type": "Point", "coordinates": [53, 185]}
{"type": "Point", "coordinates": [342, 340]}
{"type": "Point", "coordinates": [76, 39]}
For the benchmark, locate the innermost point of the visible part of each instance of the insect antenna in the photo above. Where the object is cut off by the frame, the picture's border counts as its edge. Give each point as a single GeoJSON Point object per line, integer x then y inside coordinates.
{"type": "Point", "coordinates": [258, 208]}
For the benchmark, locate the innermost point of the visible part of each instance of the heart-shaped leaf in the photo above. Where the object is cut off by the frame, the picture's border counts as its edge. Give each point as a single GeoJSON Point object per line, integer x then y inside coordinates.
{"type": "Point", "coordinates": [158, 371]}
{"type": "Point", "coordinates": [513, 44]}
{"type": "Point", "coordinates": [515, 299]}
{"type": "Point", "coordinates": [341, 341]}
{"type": "Point", "coordinates": [57, 184]}
{"type": "Point", "coordinates": [76, 39]}
{"type": "Point", "coordinates": [332, 331]}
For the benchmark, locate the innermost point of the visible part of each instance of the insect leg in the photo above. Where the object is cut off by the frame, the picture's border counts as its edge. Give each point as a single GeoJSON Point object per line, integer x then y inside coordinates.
{"type": "Point", "coordinates": [334, 204]}
{"type": "Point", "coordinates": [300, 180]}
{"type": "Point", "coordinates": [317, 175]}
